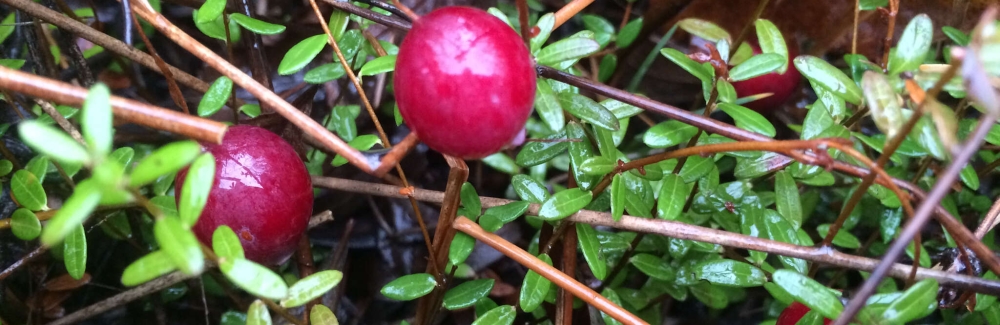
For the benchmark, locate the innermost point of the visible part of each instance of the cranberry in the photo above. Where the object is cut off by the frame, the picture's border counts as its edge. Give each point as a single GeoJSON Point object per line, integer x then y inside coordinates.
{"type": "Point", "coordinates": [781, 86]}
{"type": "Point", "coordinates": [261, 190]}
{"type": "Point", "coordinates": [465, 82]}
{"type": "Point", "coordinates": [794, 313]}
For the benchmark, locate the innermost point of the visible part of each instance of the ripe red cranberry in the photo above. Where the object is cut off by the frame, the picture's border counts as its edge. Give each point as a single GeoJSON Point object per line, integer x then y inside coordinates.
{"type": "Point", "coordinates": [781, 86]}
{"type": "Point", "coordinates": [464, 82]}
{"type": "Point", "coordinates": [261, 190]}
{"type": "Point", "coordinates": [794, 313]}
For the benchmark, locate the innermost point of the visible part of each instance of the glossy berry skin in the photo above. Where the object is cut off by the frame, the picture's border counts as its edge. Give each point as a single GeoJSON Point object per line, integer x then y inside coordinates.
{"type": "Point", "coordinates": [464, 82]}
{"type": "Point", "coordinates": [782, 86]}
{"type": "Point", "coordinates": [261, 190]}
{"type": "Point", "coordinates": [794, 313]}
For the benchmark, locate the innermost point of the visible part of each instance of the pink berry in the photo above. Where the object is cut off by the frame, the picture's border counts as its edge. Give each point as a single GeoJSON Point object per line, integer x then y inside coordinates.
{"type": "Point", "coordinates": [261, 190]}
{"type": "Point", "coordinates": [794, 313]}
{"type": "Point", "coordinates": [464, 82]}
{"type": "Point", "coordinates": [782, 86]}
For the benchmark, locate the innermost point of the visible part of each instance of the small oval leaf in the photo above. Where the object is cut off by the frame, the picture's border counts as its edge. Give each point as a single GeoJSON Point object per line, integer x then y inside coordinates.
{"type": "Point", "coordinates": [311, 287]}
{"type": "Point", "coordinates": [467, 294]}
{"type": "Point", "coordinates": [254, 278]}
{"type": "Point", "coordinates": [564, 204]}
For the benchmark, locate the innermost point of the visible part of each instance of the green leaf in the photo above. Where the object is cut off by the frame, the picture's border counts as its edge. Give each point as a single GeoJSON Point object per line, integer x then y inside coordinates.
{"type": "Point", "coordinates": [195, 190]}
{"type": "Point", "coordinates": [913, 45]}
{"type": "Point", "coordinates": [545, 25]}
{"type": "Point", "coordinates": [571, 48]}
{"type": "Point", "coordinates": [409, 287]}
{"type": "Point", "coordinates": [51, 142]}
{"type": "Point", "coordinates": [301, 54]}
{"type": "Point", "coordinates": [470, 199]}
{"type": "Point", "coordinates": [809, 292]}
{"type": "Point", "coordinates": [216, 96]}
{"type": "Point", "coordinates": [338, 23]}
{"type": "Point", "coordinates": [730, 273]}
{"type": "Point", "coordinates": [535, 288]}
{"type": "Point", "coordinates": [96, 120]}
{"type": "Point", "coordinates": [618, 194]}
{"type": "Point", "coordinates": [311, 287]}
{"type": "Point", "coordinates": [787, 193]}
{"type": "Point", "coordinates": [28, 191]}
{"type": "Point", "coordinates": [226, 244]}
{"type": "Point", "coordinates": [460, 248]}
{"type": "Point", "coordinates": [257, 26]}
{"type": "Point", "coordinates": [969, 177]}
{"type": "Point", "coordinates": [25, 224]}
{"type": "Point", "coordinates": [180, 245]}
{"type": "Point", "coordinates": [503, 315]}
{"type": "Point", "coordinates": [210, 10]}
{"type": "Point", "coordinates": [325, 73]}
{"type": "Point", "coordinates": [629, 33]}
{"type": "Point", "coordinates": [502, 163]}
{"type": "Point", "coordinates": [588, 110]}
{"type": "Point", "coordinates": [363, 142]}
{"type": "Point", "coordinates": [771, 41]}
{"type": "Point", "coordinates": [7, 26]}
{"type": "Point", "coordinates": [564, 204]}
{"type": "Point", "coordinates": [146, 268]}
{"type": "Point", "coordinates": [673, 194]}
{"type": "Point", "coordinates": [508, 212]}
{"type": "Point", "coordinates": [696, 167]}
{"type": "Point", "coordinates": [215, 29]}
{"type": "Point", "coordinates": [251, 110]}
{"type": "Point", "coordinates": [843, 238]}
{"type": "Point", "coordinates": [529, 189]}
{"type": "Point", "coordinates": [748, 119]}
{"type": "Point", "coordinates": [668, 134]}
{"type": "Point", "coordinates": [548, 107]}
{"type": "Point", "coordinates": [257, 314]}
{"type": "Point", "coordinates": [985, 301]}
{"type": "Point", "coordinates": [620, 109]}
{"type": "Point", "coordinates": [123, 156]}
{"type": "Point", "coordinates": [467, 294]}
{"type": "Point", "coordinates": [14, 64]}
{"type": "Point", "coordinates": [597, 166]}
{"type": "Point", "coordinates": [321, 315]}
{"type": "Point", "coordinates": [5, 167]}
{"type": "Point", "coordinates": [117, 226]}
{"type": "Point", "coordinates": [704, 29]}
{"type": "Point", "coordinates": [591, 248]}
{"type": "Point", "coordinates": [539, 152]}
{"type": "Point", "coordinates": [73, 212]}
{"type": "Point", "coordinates": [38, 166]}
{"type": "Point", "coordinates": [696, 69]}
{"type": "Point", "coordinates": [379, 65]}
{"type": "Point", "coordinates": [607, 67]}
{"type": "Point", "coordinates": [882, 103]}
{"type": "Point", "coordinates": [757, 65]}
{"type": "Point", "coordinates": [956, 35]}
{"type": "Point", "coordinates": [597, 24]}
{"type": "Point", "coordinates": [916, 302]}
{"type": "Point", "coordinates": [653, 266]}
{"type": "Point", "coordinates": [822, 74]}
{"type": "Point", "coordinates": [75, 252]}
{"type": "Point", "coordinates": [167, 160]}
{"type": "Point", "coordinates": [254, 278]}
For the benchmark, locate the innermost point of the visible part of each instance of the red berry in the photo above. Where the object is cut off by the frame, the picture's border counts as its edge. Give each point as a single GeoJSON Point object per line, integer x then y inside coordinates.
{"type": "Point", "coordinates": [782, 86]}
{"type": "Point", "coordinates": [465, 82]}
{"type": "Point", "coordinates": [794, 313]}
{"type": "Point", "coordinates": [261, 190]}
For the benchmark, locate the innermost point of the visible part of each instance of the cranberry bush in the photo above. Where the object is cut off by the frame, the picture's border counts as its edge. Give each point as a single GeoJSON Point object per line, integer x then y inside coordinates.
{"type": "Point", "coordinates": [781, 233]}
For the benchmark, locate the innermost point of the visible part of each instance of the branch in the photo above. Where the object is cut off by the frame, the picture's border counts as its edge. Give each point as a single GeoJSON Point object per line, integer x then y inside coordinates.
{"type": "Point", "coordinates": [140, 291]}
{"type": "Point", "coordinates": [691, 232]}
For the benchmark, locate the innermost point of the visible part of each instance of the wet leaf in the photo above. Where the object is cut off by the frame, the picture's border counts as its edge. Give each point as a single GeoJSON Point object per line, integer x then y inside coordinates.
{"type": "Point", "coordinates": [916, 302]}
{"type": "Point", "coordinates": [321, 315]}
{"type": "Point", "coordinates": [571, 48]}
{"type": "Point", "coordinates": [912, 46]}
{"type": "Point", "coordinates": [529, 189]}
{"type": "Point", "coordinates": [694, 68]}
{"type": "Point", "coordinates": [591, 248]}
{"type": "Point", "coordinates": [843, 238]}
{"type": "Point", "coordinates": [653, 266]}
{"type": "Point", "coordinates": [503, 315]}
{"type": "Point", "coordinates": [226, 244]}
{"type": "Point", "coordinates": [704, 29]}
{"type": "Point", "coordinates": [195, 190]}
{"type": "Point", "coordinates": [787, 198]}
{"type": "Point", "coordinates": [325, 73]}
{"type": "Point", "coordinates": [257, 314]}
{"type": "Point", "coordinates": [409, 287]}
{"type": "Point", "coordinates": [629, 33]}
{"type": "Point", "coordinates": [257, 26]}
{"type": "Point", "coordinates": [668, 134]}
{"type": "Point", "coordinates": [539, 152]}
{"type": "Point", "coordinates": [167, 160]}
{"type": "Point", "coordinates": [730, 273]}
{"type": "Point", "coordinates": [809, 292]}
{"type": "Point", "coordinates": [508, 212]}
{"type": "Point", "coordinates": [771, 41]}
{"type": "Point", "coordinates": [311, 287]}
{"type": "Point", "coordinates": [597, 166]}
{"type": "Point", "coordinates": [216, 96]}
{"type": "Point", "coordinates": [564, 204]}
{"type": "Point", "coordinates": [460, 248]}
{"type": "Point", "coordinates": [618, 193]}
{"type": "Point", "coordinates": [545, 25]}
{"type": "Point", "coordinates": [588, 110]}
{"type": "Point", "coordinates": [882, 103]}
{"type": "Point", "coordinates": [748, 119]}
{"type": "Point", "coordinates": [822, 74]}
{"type": "Point", "coordinates": [467, 294]}
{"type": "Point", "coordinates": [548, 107]}
{"type": "Point", "coordinates": [210, 10]}
{"type": "Point", "coordinates": [502, 163]}
{"type": "Point", "coordinates": [673, 194]}
{"type": "Point", "coordinates": [301, 54]}
{"type": "Point", "coordinates": [379, 65]}
{"type": "Point", "coordinates": [758, 65]}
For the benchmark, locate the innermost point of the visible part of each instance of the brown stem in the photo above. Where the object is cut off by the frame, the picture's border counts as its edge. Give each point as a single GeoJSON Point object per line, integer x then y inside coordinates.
{"type": "Point", "coordinates": [570, 10]}
{"type": "Point", "coordinates": [175, 92]}
{"type": "Point", "coordinates": [126, 109]}
{"type": "Point", "coordinates": [120, 299]}
{"type": "Point", "coordinates": [893, 12]}
{"type": "Point", "coordinates": [522, 19]}
{"type": "Point", "coordinates": [564, 301]}
{"type": "Point", "coordinates": [743, 32]}
{"type": "Point", "coordinates": [560, 279]}
{"type": "Point", "coordinates": [443, 235]}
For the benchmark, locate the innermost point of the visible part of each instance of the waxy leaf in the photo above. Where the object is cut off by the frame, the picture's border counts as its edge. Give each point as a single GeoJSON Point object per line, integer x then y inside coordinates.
{"type": "Point", "coordinates": [146, 268]}
{"type": "Point", "coordinates": [311, 287]}
{"type": "Point", "coordinates": [704, 29]}
{"type": "Point", "coordinates": [597, 166]}
{"type": "Point", "coordinates": [653, 266]}
{"type": "Point", "coordinates": [730, 273]}
{"type": "Point", "coordinates": [588, 110]}
{"type": "Point", "coordinates": [571, 48]}
{"type": "Point", "coordinates": [254, 278]}
{"type": "Point", "coordinates": [180, 245]}
{"type": "Point", "coordinates": [257, 314]}
{"type": "Point", "coordinates": [379, 65]}
{"type": "Point", "coordinates": [823, 74]}
{"type": "Point", "coordinates": [226, 244]}
{"type": "Point", "coordinates": [167, 160]}
{"type": "Point", "coordinates": [28, 191]}
{"type": "Point", "coordinates": [673, 194]}
{"type": "Point", "coordinates": [460, 248]}
{"type": "Point", "coordinates": [694, 68]}
{"type": "Point", "coordinates": [529, 189]}
{"type": "Point", "coordinates": [843, 238]}
{"type": "Point", "coordinates": [758, 65]}
{"type": "Point", "coordinates": [564, 204]}
{"type": "Point", "coordinates": [75, 252]}
{"type": "Point", "coordinates": [216, 96]}
{"type": "Point", "coordinates": [195, 190]}
{"type": "Point", "coordinates": [629, 33]}
{"type": "Point", "coordinates": [470, 200]}
{"type": "Point", "coordinates": [51, 142]}
{"type": "Point", "coordinates": [96, 120]}
{"type": "Point", "coordinates": [748, 119]}
{"type": "Point", "coordinates": [916, 302]}
{"type": "Point", "coordinates": [548, 107]}
{"type": "Point", "coordinates": [321, 315]}
{"type": "Point", "coordinates": [301, 54]}
{"type": "Point", "coordinates": [535, 288]}
{"type": "Point", "coordinates": [882, 103]}
{"type": "Point", "coordinates": [544, 25]}
{"type": "Point", "coordinates": [257, 26]}
{"type": "Point", "coordinates": [325, 73]}
{"type": "Point", "coordinates": [73, 212]}
{"type": "Point", "coordinates": [809, 292]}
{"type": "Point", "coordinates": [668, 134]}
{"type": "Point", "coordinates": [25, 225]}
{"type": "Point", "coordinates": [467, 294]}
{"type": "Point", "coordinates": [913, 45]}
{"type": "Point", "coordinates": [508, 212]}
{"type": "Point", "coordinates": [591, 248]}
{"type": "Point", "coordinates": [539, 152]}
{"type": "Point", "coordinates": [618, 194]}
{"type": "Point", "coordinates": [787, 198]}
{"type": "Point", "coordinates": [503, 315]}
{"type": "Point", "coordinates": [771, 41]}
{"type": "Point", "coordinates": [409, 287]}
{"type": "Point", "coordinates": [210, 10]}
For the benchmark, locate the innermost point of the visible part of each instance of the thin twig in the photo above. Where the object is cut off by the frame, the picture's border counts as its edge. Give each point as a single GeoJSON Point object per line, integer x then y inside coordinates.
{"type": "Point", "coordinates": [890, 30]}
{"type": "Point", "coordinates": [140, 291]}
{"type": "Point", "coordinates": [570, 10]}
